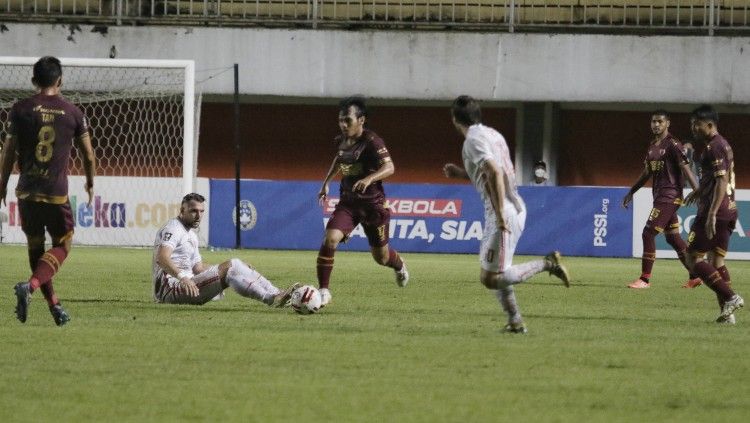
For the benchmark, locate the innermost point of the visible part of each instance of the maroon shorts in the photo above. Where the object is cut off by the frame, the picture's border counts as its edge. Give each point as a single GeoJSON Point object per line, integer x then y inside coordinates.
{"type": "Point", "coordinates": [663, 217]}
{"type": "Point", "coordinates": [699, 242]}
{"type": "Point", "coordinates": [374, 218]}
{"type": "Point", "coordinates": [36, 217]}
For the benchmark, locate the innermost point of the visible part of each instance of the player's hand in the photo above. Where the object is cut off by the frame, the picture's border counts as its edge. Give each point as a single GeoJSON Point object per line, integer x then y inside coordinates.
{"type": "Point", "coordinates": [90, 191]}
{"type": "Point", "coordinates": [187, 286]}
{"type": "Point", "coordinates": [626, 200]}
{"type": "Point", "coordinates": [451, 171]}
{"type": "Point", "coordinates": [710, 226]}
{"type": "Point", "coordinates": [322, 195]}
{"type": "Point", "coordinates": [501, 226]}
{"type": "Point", "coordinates": [362, 185]}
{"type": "Point", "coordinates": [691, 198]}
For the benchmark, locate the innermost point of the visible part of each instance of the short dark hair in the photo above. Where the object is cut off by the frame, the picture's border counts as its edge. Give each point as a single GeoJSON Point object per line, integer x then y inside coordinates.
{"type": "Point", "coordinates": [661, 112]}
{"type": "Point", "coordinates": [46, 71]}
{"type": "Point", "coordinates": [706, 113]}
{"type": "Point", "coordinates": [540, 163]}
{"type": "Point", "coordinates": [466, 110]}
{"type": "Point", "coordinates": [359, 102]}
{"type": "Point", "coordinates": [193, 196]}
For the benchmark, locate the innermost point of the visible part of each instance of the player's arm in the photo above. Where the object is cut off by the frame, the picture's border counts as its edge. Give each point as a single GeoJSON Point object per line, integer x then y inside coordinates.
{"type": "Point", "coordinates": [385, 170]}
{"type": "Point", "coordinates": [332, 171]}
{"type": "Point", "coordinates": [7, 159]}
{"type": "Point", "coordinates": [689, 175]}
{"type": "Point", "coordinates": [495, 186]}
{"type": "Point", "coordinates": [83, 143]}
{"type": "Point", "coordinates": [164, 260]}
{"type": "Point", "coordinates": [720, 190]}
{"type": "Point", "coordinates": [645, 174]}
{"type": "Point", "coordinates": [453, 171]}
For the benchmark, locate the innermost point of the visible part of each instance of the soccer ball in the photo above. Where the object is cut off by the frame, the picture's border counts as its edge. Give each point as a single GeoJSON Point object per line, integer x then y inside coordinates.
{"type": "Point", "coordinates": [306, 300]}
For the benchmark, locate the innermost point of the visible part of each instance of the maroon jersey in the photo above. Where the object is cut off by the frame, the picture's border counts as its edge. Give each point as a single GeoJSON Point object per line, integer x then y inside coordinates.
{"type": "Point", "coordinates": [45, 127]}
{"type": "Point", "coordinates": [663, 161]}
{"type": "Point", "coordinates": [364, 158]}
{"type": "Point", "coordinates": [717, 160]}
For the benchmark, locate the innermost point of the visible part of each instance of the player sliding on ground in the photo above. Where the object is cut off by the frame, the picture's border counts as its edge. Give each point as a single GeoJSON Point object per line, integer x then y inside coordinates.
{"type": "Point", "coordinates": [181, 276]}
{"type": "Point", "coordinates": [487, 164]}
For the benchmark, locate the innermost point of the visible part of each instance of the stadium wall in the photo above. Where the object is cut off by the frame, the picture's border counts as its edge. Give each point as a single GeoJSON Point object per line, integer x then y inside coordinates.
{"type": "Point", "coordinates": [422, 65]}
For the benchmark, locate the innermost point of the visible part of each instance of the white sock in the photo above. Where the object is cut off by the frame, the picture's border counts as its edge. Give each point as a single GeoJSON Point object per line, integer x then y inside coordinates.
{"type": "Point", "coordinates": [249, 283]}
{"type": "Point", "coordinates": [521, 272]}
{"type": "Point", "coordinates": [507, 298]}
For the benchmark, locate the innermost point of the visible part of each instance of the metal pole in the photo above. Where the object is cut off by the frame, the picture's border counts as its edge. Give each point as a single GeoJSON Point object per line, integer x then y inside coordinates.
{"type": "Point", "coordinates": [512, 19]}
{"type": "Point", "coordinates": [119, 12]}
{"type": "Point", "coordinates": [237, 152]}
{"type": "Point", "coordinates": [314, 14]}
{"type": "Point", "coordinates": [711, 18]}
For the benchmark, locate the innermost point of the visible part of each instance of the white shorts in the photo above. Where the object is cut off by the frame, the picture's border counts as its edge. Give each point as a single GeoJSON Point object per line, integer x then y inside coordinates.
{"type": "Point", "coordinates": [208, 282]}
{"type": "Point", "coordinates": [497, 249]}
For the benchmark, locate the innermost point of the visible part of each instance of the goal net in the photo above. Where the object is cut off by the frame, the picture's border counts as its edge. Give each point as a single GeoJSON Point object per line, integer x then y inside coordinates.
{"type": "Point", "coordinates": [143, 118]}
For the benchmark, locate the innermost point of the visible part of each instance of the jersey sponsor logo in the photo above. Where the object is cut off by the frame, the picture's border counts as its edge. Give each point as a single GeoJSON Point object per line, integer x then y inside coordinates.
{"type": "Point", "coordinates": [600, 225]}
{"type": "Point", "coordinates": [413, 207]}
{"type": "Point", "coordinates": [248, 215]}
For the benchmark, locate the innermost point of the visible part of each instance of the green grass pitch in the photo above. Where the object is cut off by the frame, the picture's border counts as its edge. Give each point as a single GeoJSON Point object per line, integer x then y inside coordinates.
{"type": "Point", "coordinates": [431, 352]}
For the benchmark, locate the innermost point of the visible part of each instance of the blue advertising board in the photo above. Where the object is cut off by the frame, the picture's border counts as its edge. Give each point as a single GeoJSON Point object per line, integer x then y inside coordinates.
{"type": "Point", "coordinates": [424, 218]}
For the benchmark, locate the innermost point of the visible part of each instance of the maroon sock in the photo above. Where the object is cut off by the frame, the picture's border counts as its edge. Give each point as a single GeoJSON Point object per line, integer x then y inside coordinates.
{"type": "Point", "coordinates": [394, 260]}
{"type": "Point", "coordinates": [675, 240]}
{"type": "Point", "coordinates": [713, 280]}
{"type": "Point", "coordinates": [49, 294]}
{"type": "Point", "coordinates": [325, 265]}
{"type": "Point", "coordinates": [34, 255]}
{"type": "Point", "coordinates": [48, 265]}
{"type": "Point", "coordinates": [649, 253]}
{"type": "Point", "coordinates": [724, 275]}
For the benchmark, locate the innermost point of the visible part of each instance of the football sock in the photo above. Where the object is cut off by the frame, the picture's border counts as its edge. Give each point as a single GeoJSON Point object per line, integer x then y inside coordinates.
{"type": "Point", "coordinates": [507, 298]}
{"type": "Point", "coordinates": [34, 255]}
{"type": "Point", "coordinates": [47, 265]}
{"type": "Point", "coordinates": [249, 283]}
{"type": "Point", "coordinates": [49, 294]}
{"type": "Point", "coordinates": [724, 275]}
{"type": "Point", "coordinates": [394, 260]}
{"type": "Point", "coordinates": [649, 251]}
{"type": "Point", "coordinates": [675, 240]}
{"type": "Point", "coordinates": [712, 278]}
{"type": "Point", "coordinates": [325, 265]}
{"type": "Point", "coordinates": [520, 272]}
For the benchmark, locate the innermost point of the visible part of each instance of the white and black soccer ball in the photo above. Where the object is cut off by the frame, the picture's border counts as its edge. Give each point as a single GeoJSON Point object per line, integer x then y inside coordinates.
{"type": "Point", "coordinates": [306, 300]}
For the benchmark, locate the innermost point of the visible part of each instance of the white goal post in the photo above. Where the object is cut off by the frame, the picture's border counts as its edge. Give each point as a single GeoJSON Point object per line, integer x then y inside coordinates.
{"type": "Point", "coordinates": [143, 117]}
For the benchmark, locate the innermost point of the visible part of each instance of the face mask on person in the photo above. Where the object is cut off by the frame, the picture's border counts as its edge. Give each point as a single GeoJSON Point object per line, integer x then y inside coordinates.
{"type": "Point", "coordinates": [540, 173]}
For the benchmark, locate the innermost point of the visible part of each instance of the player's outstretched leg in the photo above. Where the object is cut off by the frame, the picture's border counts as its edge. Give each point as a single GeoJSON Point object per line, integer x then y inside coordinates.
{"type": "Point", "coordinates": [248, 282]}
{"type": "Point", "coordinates": [23, 298]}
{"type": "Point", "coordinates": [399, 267]}
{"type": "Point", "coordinates": [556, 268]}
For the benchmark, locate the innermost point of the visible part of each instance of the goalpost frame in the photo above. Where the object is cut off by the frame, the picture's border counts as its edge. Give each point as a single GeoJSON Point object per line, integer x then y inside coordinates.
{"type": "Point", "coordinates": [188, 136]}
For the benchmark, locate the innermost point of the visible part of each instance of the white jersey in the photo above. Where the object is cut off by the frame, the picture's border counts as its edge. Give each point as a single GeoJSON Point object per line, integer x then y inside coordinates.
{"type": "Point", "coordinates": [184, 244]}
{"type": "Point", "coordinates": [484, 143]}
